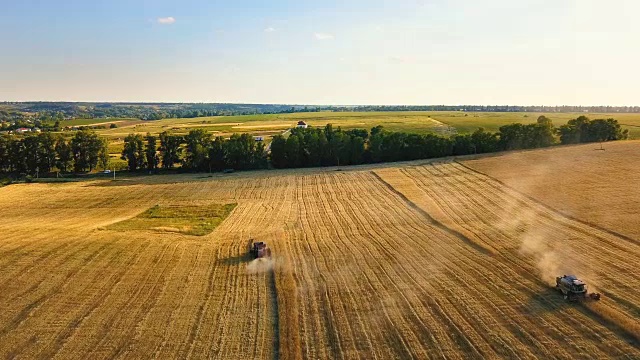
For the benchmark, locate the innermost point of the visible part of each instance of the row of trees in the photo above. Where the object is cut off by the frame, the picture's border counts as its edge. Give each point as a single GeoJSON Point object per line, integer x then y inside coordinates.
{"type": "Point", "coordinates": [199, 151]}
{"type": "Point", "coordinates": [318, 147]}
{"type": "Point", "coordinates": [327, 147]}
{"type": "Point", "coordinates": [196, 151]}
{"type": "Point", "coordinates": [44, 152]}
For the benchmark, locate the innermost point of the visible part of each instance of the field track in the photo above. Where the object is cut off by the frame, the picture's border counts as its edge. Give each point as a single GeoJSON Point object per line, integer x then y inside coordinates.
{"type": "Point", "coordinates": [425, 261]}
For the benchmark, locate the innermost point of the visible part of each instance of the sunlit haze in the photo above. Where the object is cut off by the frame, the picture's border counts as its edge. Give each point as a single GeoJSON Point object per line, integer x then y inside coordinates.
{"type": "Point", "coordinates": [575, 52]}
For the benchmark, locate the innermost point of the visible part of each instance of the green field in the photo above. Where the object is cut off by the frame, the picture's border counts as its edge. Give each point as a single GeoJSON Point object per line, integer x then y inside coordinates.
{"type": "Point", "coordinates": [184, 219]}
{"type": "Point", "coordinates": [444, 123]}
{"type": "Point", "coordinates": [90, 122]}
{"type": "Point", "coordinates": [434, 122]}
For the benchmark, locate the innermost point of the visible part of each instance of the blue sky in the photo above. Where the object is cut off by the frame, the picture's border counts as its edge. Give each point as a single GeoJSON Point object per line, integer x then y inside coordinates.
{"type": "Point", "coordinates": [321, 52]}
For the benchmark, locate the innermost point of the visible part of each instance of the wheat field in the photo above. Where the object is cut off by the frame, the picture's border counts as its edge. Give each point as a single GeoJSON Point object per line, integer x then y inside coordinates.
{"type": "Point", "coordinates": [419, 260]}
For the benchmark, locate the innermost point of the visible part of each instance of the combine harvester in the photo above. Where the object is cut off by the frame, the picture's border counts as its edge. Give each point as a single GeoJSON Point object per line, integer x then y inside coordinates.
{"type": "Point", "coordinates": [259, 250]}
{"type": "Point", "coordinates": [574, 289]}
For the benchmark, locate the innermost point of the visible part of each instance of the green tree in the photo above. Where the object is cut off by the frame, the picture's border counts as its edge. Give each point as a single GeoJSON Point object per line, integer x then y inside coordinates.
{"type": "Point", "coordinates": [376, 142]}
{"type": "Point", "coordinates": [47, 148]}
{"type": "Point", "coordinates": [151, 152]}
{"type": "Point", "coordinates": [242, 152]}
{"type": "Point", "coordinates": [601, 130]}
{"type": "Point", "coordinates": [463, 145]}
{"type": "Point", "coordinates": [575, 131]}
{"type": "Point", "coordinates": [5, 145]}
{"type": "Point", "coordinates": [543, 120]}
{"type": "Point", "coordinates": [485, 142]}
{"type": "Point", "coordinates": [31, 153]}
{"type": "Point", "coordinates": [279, 152]}
{"type": "Point", "coordinates": [133, 152]}
{"type": "Point", "coordinates": [293, 151]}
{"type": "Point", "coordinates": [17, 156]}
{"type": "Point", "coordinates": [377, 130]}
{"type": "Point", "coordinates": [86, 147]}
{"type": "Point", "coordinates": [170, 149]}
{"type": "Point", "coordinates": [512, 137]}
{"type": "Point", "coordinates": [103, 155]}
{"type": "Point", "coordinates": [217, 156]}
{"type": "Point", "coordinates": [543, 133]}
{"type": "Point", "coordinates": [197, 150]}
{"type": "Point", "coordinates": [64, 155]}
{"type": "Point", "coordinates": [357, 149]}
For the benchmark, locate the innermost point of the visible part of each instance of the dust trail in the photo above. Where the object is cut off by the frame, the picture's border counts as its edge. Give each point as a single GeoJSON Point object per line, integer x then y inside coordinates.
{"type": "Point", "coordinates": [548, 249]}
{"type": "Point", "coordinates": [260, 266]}
{"type": "Point", "coordinates": [545, 247]}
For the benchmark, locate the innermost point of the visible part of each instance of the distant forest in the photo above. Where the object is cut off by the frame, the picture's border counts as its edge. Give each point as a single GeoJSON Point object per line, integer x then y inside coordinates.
{"type": "Point", "coordinates": [16, 111]}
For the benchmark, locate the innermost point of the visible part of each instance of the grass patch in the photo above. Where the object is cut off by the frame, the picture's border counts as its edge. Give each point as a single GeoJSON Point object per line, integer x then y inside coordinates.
{"type": "Point", "coordinates": [183, 219]}
{"type": "Point", "coordinates": [5, 181]}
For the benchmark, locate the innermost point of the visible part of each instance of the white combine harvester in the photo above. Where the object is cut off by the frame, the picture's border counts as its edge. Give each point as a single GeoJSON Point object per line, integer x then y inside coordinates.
{"type": "Point", "coordinates": [574, 289]}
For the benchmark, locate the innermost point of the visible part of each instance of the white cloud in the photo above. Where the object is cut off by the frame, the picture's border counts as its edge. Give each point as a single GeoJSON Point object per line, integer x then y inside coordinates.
{"type": "Point", "coordinates": [269, 30]}
{"type": "Point", "coordinates": [166, 20]}
{"type": "Point", "coordinates": [323, 36]}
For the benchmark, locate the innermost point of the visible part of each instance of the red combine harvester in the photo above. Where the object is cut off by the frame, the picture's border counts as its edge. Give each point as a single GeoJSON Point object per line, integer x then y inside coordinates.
{"type": "Point", "coordinates": [259, 250]}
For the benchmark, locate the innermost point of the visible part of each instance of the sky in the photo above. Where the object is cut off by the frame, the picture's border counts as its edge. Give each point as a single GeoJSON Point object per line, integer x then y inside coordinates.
{"type": "Point", "coordinates": [407, 52]}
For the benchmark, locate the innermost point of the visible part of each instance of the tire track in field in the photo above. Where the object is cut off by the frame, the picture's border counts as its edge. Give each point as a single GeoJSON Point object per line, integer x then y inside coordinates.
{"type": "Point", "coordinates": [480, 248]}
{"type": "Point", "coordinates": [331, 185]}
{"type": "Point", "coordinates": [471, 265]}
{"type": "Point", "coordinates": [446, 290]}
{"type": "Point", "coordinates": [527, 273]}
{"type": "Point", "coordinates": [145, 292]}
{"type": "Point", "coordinates": [626, 329]}
{"type": "Point", "coordinates": [26, 312]}
{"type": "Point", "coordinates": [556, 225]}
{"type": "Point", "coordinates": [507, 259]}
{"type": "Point", "coordinates": [414, 307]}
{"type": "Point", "coordinates": [549, 208]}
{"type": "Point", "coordinates": [105, 290]}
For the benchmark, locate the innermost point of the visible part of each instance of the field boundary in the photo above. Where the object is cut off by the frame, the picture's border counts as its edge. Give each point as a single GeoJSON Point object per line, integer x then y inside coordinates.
{"type": "Point", "coordinates": [550, 208]}
{"type": "Point", "coordinates": [435, 222]}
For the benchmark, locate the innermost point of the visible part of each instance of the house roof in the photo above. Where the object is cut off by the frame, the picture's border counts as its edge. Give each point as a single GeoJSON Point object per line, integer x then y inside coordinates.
{"type": "Point", "coordinates": [302, 122]}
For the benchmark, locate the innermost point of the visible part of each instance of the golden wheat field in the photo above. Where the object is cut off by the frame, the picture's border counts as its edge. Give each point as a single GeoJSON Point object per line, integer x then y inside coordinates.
{"type": "Point", "coordinates": [414, 260]}
{"type": "Point", "coordinates": [597, 186]}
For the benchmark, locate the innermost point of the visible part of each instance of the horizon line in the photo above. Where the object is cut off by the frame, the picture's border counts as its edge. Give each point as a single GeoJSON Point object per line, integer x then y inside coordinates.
{"type": "Point", "coordinates": [293, 104]}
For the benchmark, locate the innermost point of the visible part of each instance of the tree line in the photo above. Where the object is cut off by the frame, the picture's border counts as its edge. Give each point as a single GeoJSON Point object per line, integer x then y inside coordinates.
{"type": "Point", "coordinates": [310, 147]}
{"type": "Point", "coordinates": [196, 151]}
{"type": "Point", "coordinates": [42, 153]}
{"type": "Point", "coordinates": [329, 147]}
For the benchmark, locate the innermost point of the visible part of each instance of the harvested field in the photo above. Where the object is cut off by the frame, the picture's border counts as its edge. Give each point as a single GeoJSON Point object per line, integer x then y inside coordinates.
{"type": "Point", "coordinates": [412, 261]}
{"type": "Point", "coordinates": [600, 187]}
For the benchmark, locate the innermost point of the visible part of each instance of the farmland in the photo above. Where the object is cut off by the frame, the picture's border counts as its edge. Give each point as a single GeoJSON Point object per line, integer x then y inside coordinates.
{"type": "Point", "coordinates": [421, 122]}
{"type": "Point", "coordinates": [413, 260]}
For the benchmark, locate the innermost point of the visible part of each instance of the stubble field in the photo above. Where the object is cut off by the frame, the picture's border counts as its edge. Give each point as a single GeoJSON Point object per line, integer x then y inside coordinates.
{"type": "Point", "coordinates": [418, 260]}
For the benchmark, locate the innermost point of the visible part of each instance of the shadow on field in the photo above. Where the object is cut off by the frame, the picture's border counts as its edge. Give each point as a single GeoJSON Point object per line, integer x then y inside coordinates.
{"type": "Point", "coordinates": [548, 300]}
{"type": "Point", "coordinates": [236, 260]}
